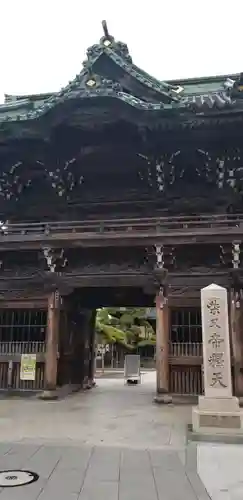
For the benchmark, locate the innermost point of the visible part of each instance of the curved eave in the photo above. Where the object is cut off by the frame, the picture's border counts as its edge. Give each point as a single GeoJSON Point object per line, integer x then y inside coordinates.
{"type": "Point", "coordinates": [107, 104]}
{"type": "Point", "coordinates": [57, 102]}
{"type": "Point", "coordinates": [59, 109]}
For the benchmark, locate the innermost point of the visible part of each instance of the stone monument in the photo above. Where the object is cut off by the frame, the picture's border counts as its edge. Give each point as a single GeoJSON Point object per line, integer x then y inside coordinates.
{"type": "Point", "coordinates": [218, 411]}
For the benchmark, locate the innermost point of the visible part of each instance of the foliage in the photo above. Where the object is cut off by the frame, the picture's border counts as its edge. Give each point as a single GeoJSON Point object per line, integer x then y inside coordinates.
{"type": "Point", "coordinates": [126, 326]}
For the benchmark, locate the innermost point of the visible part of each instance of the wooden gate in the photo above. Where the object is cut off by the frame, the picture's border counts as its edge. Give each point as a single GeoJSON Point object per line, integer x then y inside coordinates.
{"type": "Point", "coordinates": [21, 332]}
{"type": "Point", "coordinates": [186, 351]}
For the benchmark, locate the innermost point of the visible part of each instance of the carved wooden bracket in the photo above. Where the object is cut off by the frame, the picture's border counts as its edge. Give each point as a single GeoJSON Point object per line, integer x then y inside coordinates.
{"type": "Point", "coordinates": [55, 259]}
{"type": "Point", "coordinates": [236, 251]}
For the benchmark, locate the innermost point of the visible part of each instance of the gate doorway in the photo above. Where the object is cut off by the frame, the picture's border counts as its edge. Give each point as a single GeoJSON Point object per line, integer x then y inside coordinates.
{"type": "Point", "coordinates": [23, 331]}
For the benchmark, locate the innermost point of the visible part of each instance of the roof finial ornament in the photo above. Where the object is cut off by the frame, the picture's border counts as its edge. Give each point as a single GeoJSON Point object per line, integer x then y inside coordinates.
{"type": "Point", "coordinates": [107, 39]}
{"type": "Point", "coordinates": [105, 29]}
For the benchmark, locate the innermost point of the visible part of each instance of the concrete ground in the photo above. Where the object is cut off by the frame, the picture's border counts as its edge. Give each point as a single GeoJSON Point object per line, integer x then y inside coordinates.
{"type": "Point", "coordinates": [112, 414]}
{"type": "Point", "coordinates": [112, 442]}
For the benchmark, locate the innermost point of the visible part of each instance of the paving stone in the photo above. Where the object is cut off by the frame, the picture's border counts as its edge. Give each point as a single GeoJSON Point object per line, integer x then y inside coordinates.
{"type": "Point", "coordinates": [102, 473]}
{"type": "Point", "coordinates": [70, 480]}
{"type": "Point", "coordinates": [44, 461]}
{"type": "Point", "coordinates": [173, 485]}
{"type": "Point", "coordinates": [182, 456]}
{"type": "Point", "coordinates": [133, 474]}
{"type": "Point", "coordinates": [135, 459]}
{"type": "Point", "coordinates": [178, 437]}
{"type": "Point", "coordinates": [5, 448]}
{"type": "Point", "coordinates": [62, 496]}
{"type": "Point", "coordinates": [220, 469]}
{"type": "Point", "coordinates": [222, 495]}
{"type": "Point", "coordinates": [28, 492]}
{"type": "Point", "coordinates": [17, 456]}
{"type": "Point", "coordinates": [103, 465]}
{"type": "Point", "coordinates": [137, 490]}
{"type": "Point", "coordinates": [75, 458]}
{"type": "Point", "coordinates": [100, 490]}
{"type": "Point", "coordinates": [169, 460]}
{"type": "Point", "coordinates": [136, 468]}
{"type": "Point", "coordinates": [197, 485]}
{"type": "Point", "coordinates": [106, 454]}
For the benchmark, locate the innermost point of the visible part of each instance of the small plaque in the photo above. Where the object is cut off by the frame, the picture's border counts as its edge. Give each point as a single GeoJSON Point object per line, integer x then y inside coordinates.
{"type": "Point", "coordinates": [222, 421]}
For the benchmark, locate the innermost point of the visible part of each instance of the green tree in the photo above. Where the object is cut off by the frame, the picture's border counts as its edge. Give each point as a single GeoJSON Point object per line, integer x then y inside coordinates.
{"type": "Point", "coordinates": [126, 326]}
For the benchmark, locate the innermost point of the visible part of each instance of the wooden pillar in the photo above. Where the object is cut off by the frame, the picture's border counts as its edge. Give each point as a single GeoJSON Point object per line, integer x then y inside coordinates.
{"type": "Point", "coordinates": [236, 307]}
{"type": "Point", "coordinates": [85, 354]}
{"type": "Point", "coordinates": [92, 349]}
{"type": "Point", "coordinates": [52, 338]}
{"type": "Point", "coordinates": [162, 349]}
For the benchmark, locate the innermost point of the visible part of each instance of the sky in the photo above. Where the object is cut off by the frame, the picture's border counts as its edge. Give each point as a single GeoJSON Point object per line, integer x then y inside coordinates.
{"type": "Point", "coordinates": [43, 43]}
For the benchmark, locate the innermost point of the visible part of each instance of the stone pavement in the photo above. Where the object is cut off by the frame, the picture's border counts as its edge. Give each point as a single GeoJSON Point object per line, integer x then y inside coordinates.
{"type": "Point", "coordinates": [100, 473]}
{"type": "Point", "coordinates": [220, 468]}
{"type": "Point", "coordinates": [113, 442]}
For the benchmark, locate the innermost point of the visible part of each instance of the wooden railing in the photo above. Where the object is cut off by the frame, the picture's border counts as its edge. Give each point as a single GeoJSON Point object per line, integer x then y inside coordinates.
{"type": "Point", "coordinates": [158, 224]}
{"type": "Point", "coordinates": [22, 348]}
{"type": "Point", "coordinates": [186, 380]}
{"type": "Point", "coordinates": [186, 368]}
{"type": "Point", "coordinates": [178, 350]}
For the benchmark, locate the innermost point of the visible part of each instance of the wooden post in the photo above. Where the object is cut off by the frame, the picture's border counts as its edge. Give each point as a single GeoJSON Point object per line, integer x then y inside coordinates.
{"type": "Point", "coordinates": [112, 356]}
{"type": "Point", "coordinates": [237, 341]}
{"type": "Point", "coordinates": [103, 360]}
{"type": "Point", "coordinates": [52, 346]}
{"type": "Point", "coordinates": [162, 349]}
{"type": "Point", "coordinates": [92, 363]}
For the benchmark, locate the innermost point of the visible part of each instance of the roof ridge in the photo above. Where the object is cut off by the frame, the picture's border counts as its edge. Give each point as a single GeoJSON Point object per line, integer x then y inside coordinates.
{"type": "Point", "coordinates": [120, 54]}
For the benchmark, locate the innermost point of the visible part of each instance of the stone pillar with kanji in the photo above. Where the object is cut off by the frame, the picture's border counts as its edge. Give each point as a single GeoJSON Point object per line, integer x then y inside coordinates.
{"type": "Point", "coordinates": [218, 411]}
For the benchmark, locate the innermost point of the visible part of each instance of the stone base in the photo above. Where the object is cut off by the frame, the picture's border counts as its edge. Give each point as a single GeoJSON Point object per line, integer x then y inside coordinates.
{"type": "Point", "coordinates": [217, 416]}
{"type": "Point", "coordinates": [225, 438]}
{"type": "Point", "coordinates": [163, 399]}
{"type": "Point", "coordinates": [240, 398]}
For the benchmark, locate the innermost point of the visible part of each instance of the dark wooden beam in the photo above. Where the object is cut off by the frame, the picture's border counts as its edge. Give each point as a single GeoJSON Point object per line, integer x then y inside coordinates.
{"type": "Point", "coordinates": [72, 240]}
{"type": "Point", "coordinates": [66, 282]}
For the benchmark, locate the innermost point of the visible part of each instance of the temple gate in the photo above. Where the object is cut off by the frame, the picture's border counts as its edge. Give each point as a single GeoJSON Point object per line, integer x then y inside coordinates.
{"type": "Point", "coordinates": [118, 190]}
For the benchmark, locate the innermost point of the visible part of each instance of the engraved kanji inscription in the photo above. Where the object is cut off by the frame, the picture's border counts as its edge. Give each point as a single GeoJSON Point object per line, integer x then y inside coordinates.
{"type": "Point", "coordinates": [214, 322]}
{"type": "Point", "coordinates": [215, 340]}
{"type": "Point", "coordinates": [213, 306]}
{"type": "Point", "coordinates": [217, 380]}
{"type": "Point", "coordinates": [216, 360]}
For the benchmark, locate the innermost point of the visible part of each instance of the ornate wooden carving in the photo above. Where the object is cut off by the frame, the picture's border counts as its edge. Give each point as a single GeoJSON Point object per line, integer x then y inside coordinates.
{"type": "Point", "coordinates": [185, 179]}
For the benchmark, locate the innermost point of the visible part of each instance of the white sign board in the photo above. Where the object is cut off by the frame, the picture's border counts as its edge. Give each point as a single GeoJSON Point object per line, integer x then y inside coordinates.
{"type": "Point", "coordinates": [132, 367]}
{"type": "Point", "coordinates": [28, 367]}
{"type": "Point", "coordinates": [216, 346]}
